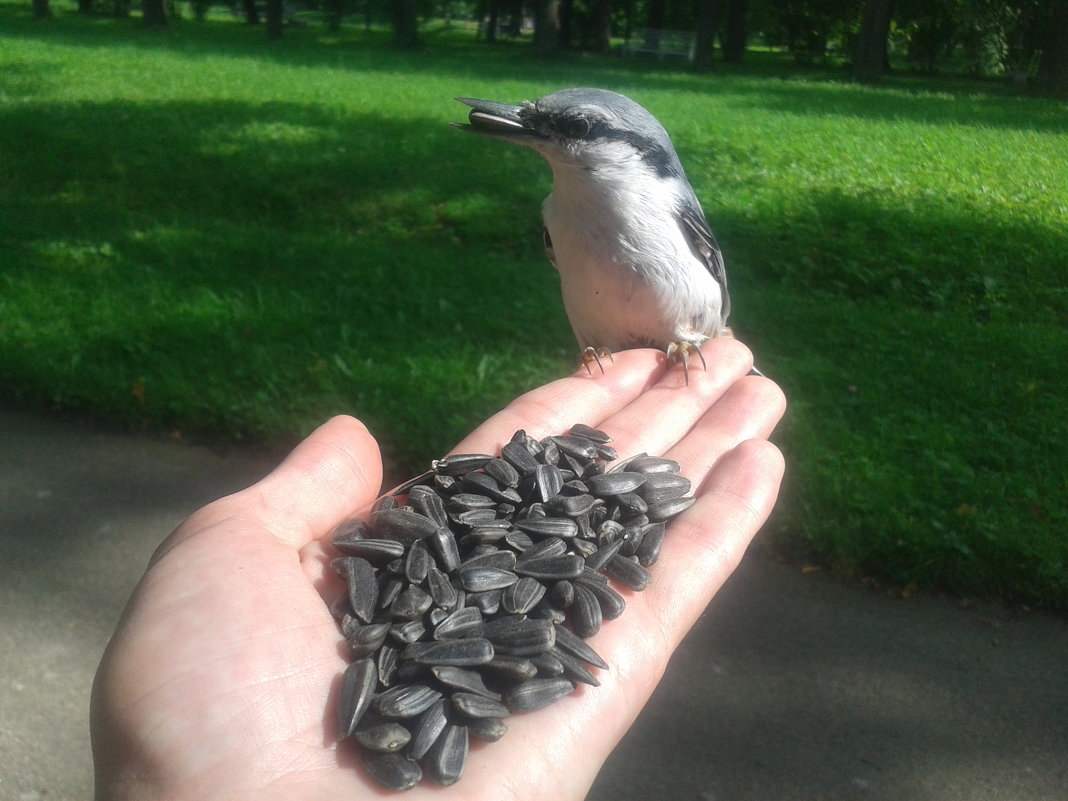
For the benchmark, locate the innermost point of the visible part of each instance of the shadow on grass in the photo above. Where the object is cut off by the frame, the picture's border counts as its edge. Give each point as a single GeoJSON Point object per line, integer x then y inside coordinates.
{"type": "Point", "coordinates": [767, 82]}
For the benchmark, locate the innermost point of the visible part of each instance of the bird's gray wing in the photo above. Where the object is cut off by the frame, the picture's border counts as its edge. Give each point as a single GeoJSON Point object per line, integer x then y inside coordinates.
{"type": "Point", "coordinates": [695, 227]}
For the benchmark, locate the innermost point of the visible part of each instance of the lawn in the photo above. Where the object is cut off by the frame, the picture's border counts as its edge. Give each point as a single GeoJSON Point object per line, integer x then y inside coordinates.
{"type": "Point", "coordinates": [204, 232]}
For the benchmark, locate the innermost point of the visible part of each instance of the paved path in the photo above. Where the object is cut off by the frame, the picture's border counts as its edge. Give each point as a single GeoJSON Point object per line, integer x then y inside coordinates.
{"type": "Point", "coordinates": [791, 687]}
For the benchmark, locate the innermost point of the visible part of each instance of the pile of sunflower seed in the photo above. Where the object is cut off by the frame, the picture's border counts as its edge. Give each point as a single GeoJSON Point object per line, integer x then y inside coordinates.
{"type": "Point", "coordinates": [474, 598]}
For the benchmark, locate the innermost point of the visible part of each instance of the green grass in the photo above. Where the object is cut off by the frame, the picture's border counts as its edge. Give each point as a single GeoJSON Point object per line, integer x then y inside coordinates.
{"type": "Point", "coordinates": [200, 230]}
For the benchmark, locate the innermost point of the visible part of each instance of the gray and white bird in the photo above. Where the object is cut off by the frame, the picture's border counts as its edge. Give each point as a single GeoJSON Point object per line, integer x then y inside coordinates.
{"type": "Point", "coordinates": [638, 264]}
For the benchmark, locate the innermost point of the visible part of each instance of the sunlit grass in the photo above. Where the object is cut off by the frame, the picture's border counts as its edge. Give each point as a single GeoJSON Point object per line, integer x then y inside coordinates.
{"type": "Point", "coordinates": [206, 232]}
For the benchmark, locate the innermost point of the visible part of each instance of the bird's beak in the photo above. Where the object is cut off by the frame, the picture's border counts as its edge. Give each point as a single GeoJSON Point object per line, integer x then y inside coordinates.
{"type": "Point", "coordinates": [495, 120]}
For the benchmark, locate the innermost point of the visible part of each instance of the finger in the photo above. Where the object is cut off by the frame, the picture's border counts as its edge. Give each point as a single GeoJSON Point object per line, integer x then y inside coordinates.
{"type": "Point", "coordinates": [579, 398]}
{"type": "Point", "coordinates": [330, 476]}
{"type": "Point", "coordinates": [706, 543]}
{"type": "Point", "coordinates": [669, 409]}
{"type": "Point", "coordinates": [749, 409]}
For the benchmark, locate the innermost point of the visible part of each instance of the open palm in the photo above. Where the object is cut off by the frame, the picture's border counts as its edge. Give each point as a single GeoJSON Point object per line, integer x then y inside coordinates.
{"type": "Point", "coordinates": [221, 680]}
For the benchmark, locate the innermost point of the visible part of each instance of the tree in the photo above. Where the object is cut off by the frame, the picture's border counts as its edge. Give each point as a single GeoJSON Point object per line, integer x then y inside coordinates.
{"type": "Point", "coordinates": [705, 45]}
{"type": "Point", "coordinates": [406, 23]}
{"type": "Point", "coordinates": [1053, 65]}
{"type": "Point", "coordinates": [870, 58]}
{"type": "Point", "coordinates": [601, 28]}
{"type": "Point", "coordinates": [252, 16]}
{"type": "Point", "coordinates": [41, 9]}
{"type": "Point", "coordinates": [736, 36]}
{"type": "Point", "coordinates": [275, 19]}
{"type": "Point", "coordinates": [547, 26]}
{"type": "Point", "coordinates": [153, 14]}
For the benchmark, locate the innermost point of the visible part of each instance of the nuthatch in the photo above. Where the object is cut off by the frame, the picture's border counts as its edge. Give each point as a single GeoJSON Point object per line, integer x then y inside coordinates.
{"type": "Point", "coordinates": [638, 264]}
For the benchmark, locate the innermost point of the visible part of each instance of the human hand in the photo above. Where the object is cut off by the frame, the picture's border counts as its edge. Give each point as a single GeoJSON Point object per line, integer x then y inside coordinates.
{"type": "Point", "coordinates": [221, 680]}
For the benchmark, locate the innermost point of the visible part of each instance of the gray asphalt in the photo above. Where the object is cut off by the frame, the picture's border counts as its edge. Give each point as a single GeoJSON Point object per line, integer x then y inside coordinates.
{"type": "Point", "coordinates": [792, 686]}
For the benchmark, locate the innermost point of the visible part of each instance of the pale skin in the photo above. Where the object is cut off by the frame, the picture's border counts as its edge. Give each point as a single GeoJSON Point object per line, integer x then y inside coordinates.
{"type": "Point", "coordinates": [222, 677]}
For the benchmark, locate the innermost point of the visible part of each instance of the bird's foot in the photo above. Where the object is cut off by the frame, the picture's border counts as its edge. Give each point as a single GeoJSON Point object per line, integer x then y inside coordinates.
{"type": "Point", "coordinates": [592, 354]}
{"type": "Point", "coordinates": [679, 353]}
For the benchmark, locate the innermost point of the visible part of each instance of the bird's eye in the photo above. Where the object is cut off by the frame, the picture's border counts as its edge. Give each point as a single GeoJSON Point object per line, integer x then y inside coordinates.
{"type": "Point", "coordinates": [576, 128]}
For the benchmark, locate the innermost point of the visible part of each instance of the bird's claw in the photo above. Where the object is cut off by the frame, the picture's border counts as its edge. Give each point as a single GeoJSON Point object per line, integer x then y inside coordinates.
{"type": "Point", "coordinates": [592, 354]}
{"type": "Point", "coordinates": [679, 353]}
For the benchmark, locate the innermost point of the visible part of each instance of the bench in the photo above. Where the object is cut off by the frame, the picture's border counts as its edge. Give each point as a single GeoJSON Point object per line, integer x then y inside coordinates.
{"type": "Point", "coordinates": [661, 43]}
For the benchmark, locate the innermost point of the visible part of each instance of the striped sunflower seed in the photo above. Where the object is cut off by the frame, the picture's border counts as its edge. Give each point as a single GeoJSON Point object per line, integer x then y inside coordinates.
{"type": "Point", "coordinates": [522, 596]}
{"type": "Point", "coordinates": [365, 640]}
{"type": "Point", "coordinates": [357, 689]}
{"type": "Point", "coordinates": [482, 579]}
{"type": "Point", "coordinates": [520, 636]}
{"type": "Point", "coordinates": [464, 680]}
{"type": "Point", "coordinates": [588, 432]}
{"type": "Point", "coordinates": [427, 728]}
{"type": "Point", "coordinates": [666, 510]}
{"type": "Point", "coordinates": [448, 756]}
{"type": "Point", "coordinates": [517, 455]}
{"type": "Point", "coordinates": [629, 573]}
{"type": "Point", "coordinates": [403, 525]}
{"type": "Point", "coordinates": [551, 568]}
{"type": "Point", "coordinates": [459, 463]}
{"type": "Point", "coordinates": [573, 644]}
{"type": "Point", "coordinates": [405, 700]}
{"type": "Point", "coordinates": [362, 586]}
{"type": "Point", "coordinates": [458, 653]}
{"type": "Point", "coordinates": [473, 705]}
{"type": "Point", "coordinates": [615, 483]}
{"type": "Point", "coordinates": [586, 615]}
{"type": "Point", "coordinates": [464, 622]}
{"type": "Point", "coordinates": [537, 694]}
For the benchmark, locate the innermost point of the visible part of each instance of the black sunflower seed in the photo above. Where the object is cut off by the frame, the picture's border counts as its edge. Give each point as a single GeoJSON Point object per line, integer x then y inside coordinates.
{"type": "Point", "coordinates": [588, 432]}
{"type": "Point", "coordinates": [441, 589]}
{"type": "Point", "coordinates": [562, 527]}
{"type": "Point", "coordinates": [629, 573]}
{"type": "Point", "coordinates": [574, 667]}
{"type": "Point", "coordinates": [427, 728]}
{"type": "Point", "coordinates": [615, 483]}
{"type": "Point", "coordinates": [517, 455]}
{"type": "Point", "coordinates": [417, 562]}
{"type": "Point", "coordinates": [465, 622]}
{"type": "Point", "coordinates": [464, 680]}
{"type": "Point", "coordinates": [459, 463]}
{"type": "Point", "coordinates": [612, 603]}
{"type": "Point", "coordinates": [458, 653]}
{"type": "Point", "coordinates": [652, 540]}
{"type": "Point", "coordinates": [586, 615]}
{"type": "Point", "coordinates": [482, 579]}
{"type": "Point", "coordinates": [392, 771]}
{"type": "Point", "coordinates": [502, 560]}
{"type": "Point", "coordinates": [663, 487]}
{"type": "Point", "coordinates": [385, 738]}
{"type": "Point", "coordinates": [443, 542]}
{"type": "Point", "coordinates": [363, 587]}
{"type": "Point", "coordinates": [573, 644]}
{"type": "Point", "coordinates": [377, 552]}
{"type": "Point", "coordinates": [562, 594]}
{"type": "Point", "coordinates": [502, 472]}
{"type": "Point", "coordinates": [405, 633]}
{"type": "Point", "coordinates": [404, 525]}
{"type": "Point", "coordinates": [572, 505]}
{"type": "Point", "coordinates": [477, 706]}
{"type": "Point", "coordinates": [552, 568]}
{"type": "Point", "coordinates": [599, 558]}
{"type": "Point", "coordinates": [537, 694]}
{"type": "Point", "coordinates": [576, 446]}
{"type": "Point", "coordinates": [512, 668]}
{"type": "Point", "coordinates": [653, 464]}
{"type": "Point", "coordinates": [522, 596]}
{"type": "Point", "coordinates": [488, 730]}
{"type": "Point", "coordinates": [547, 482]}
{"type": "Point", "coordinates": [666, 510]}
{"type": "Point", "coordinates": [548, 665]}
{"type": "Point", "coordinates": [405, 700]}
{"type": "Point", "coordinates": [365, 640]}
{"type": "Point", "coordinates": [447, 757]}
{"type": "Point", "coordinates": [357, 688]}
{"type": "Point", "coordinates": [410, 604]}
{"type": "Point", "coordinates": [520, 636]}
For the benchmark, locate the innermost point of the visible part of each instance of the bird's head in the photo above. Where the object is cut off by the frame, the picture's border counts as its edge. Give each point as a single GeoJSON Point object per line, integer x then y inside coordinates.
{"type": "Point", "coordinates": [586, 128]}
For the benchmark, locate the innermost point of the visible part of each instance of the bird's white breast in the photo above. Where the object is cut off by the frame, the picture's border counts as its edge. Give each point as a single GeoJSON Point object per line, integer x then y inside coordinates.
{"type": "Point", "coordinates": [628, 275]}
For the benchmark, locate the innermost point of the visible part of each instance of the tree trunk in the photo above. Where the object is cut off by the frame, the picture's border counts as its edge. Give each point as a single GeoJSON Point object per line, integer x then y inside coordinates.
{"type": "Point", "coordinates": [705, 47]}
{"type": "Point", "coordinates": [1053, 66]}
{"type": "Point", "coordinates": [152, 14]}
{"type": "Point", "coordinates": [252, 16]}
{"type": "Point", "coordinates": [566, 13]}
{"type": "Point", "coordinates": [493, 21]}
{"type": "Point", "coordinates": [406, 23]}
{"type": "Point", "coordinates": [547, 26]}
{"type": "Point", "coordinates": [41, 9]}
{"type": "Point", "coordinates": [85, 6]}
{"type": "Point", "coordinates": [737, 36]}
{"type": "Point", "coordinates": [602, 26]}
{"type": "Point", "coordinates": [333, 15]}
{"type": "Point", "coordinates": [870, 57]}
{"type": "Point", "coordinates": [655, 14]}
{"type": "Point", "coordinates": [275, 18]}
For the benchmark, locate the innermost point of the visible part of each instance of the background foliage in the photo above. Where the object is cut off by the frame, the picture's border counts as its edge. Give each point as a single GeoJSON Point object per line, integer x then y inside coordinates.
{"type": "Point", "coordinates": [204, 232]}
